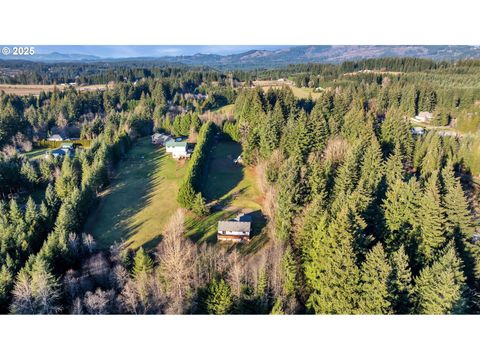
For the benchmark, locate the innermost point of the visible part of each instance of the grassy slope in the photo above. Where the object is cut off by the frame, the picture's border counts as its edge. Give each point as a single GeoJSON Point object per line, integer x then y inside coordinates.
{"type": "Point", "coordinates": [36, 153]}
{"type": "Point", "coordinates": [230, 189]}
{"type": "Point", "coordinates": [140, 200]}
{"type": "Point", "coordinates": [302, 93]}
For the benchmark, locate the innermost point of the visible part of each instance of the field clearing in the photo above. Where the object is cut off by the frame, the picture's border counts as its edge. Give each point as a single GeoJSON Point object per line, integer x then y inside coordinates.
{"type": "Point", "coordinates": [229, 189]}
{"type": "Point", "coordinates": [36, 154]}
{"type": "Point", "coordinates": [141, 199]}
{"type": "Point", "coordinates": [226, 110]}
{"type": "Point", "coordinates": [301, 93]}
{"type": "Point", "coordinates": [23, 90]}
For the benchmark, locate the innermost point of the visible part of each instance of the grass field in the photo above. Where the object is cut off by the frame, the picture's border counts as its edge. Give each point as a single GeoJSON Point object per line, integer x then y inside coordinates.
{"type": "Point", "coordinates": [35, 90]}
{"type": "Point", "coordinates": [226, 110]}
{"type": "Point", "coordinates": [36, 153]}
{"type": "Point", "coordinates": [141, 199]}
{"type": "Point", "coordinates": [229, 189]}
{"type": "Point", "coordinates": [302, 93]}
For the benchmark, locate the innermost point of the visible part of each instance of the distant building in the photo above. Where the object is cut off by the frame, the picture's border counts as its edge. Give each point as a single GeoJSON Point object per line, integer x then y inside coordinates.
{"type": "Point", "coordinates": [476, 238]}
{"type": "Point", "coordinates": [178, 149]}
{"type": "Point", "coordinates": [55, 137]}
{"type": "Point", "coordinates": [65, 149]}
{"type": "Point", "coordinates": [424, 116]}
{"type": "Point", "coordinates": [160, 139]}
{"type": "Point", "coordinates": [417, 130]}
{"type": "Point", "coordinates": [236, 230]}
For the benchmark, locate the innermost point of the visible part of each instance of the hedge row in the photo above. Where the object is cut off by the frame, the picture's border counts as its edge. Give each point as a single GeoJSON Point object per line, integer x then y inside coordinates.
{"type": "Point", "coordinates": [56, 144]}
{"type": "Point", "coordinates": [77, 206]}
{"type": "Point", "coordinates": [191, 184]}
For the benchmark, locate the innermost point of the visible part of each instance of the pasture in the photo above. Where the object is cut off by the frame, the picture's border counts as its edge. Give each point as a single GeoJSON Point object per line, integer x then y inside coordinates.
{"type": "Point", "coordinates": [35, 90]}
{"type": "Point", "coordinates": [228, 189]}
{"type": "Point", "coordinates": [135, 208]}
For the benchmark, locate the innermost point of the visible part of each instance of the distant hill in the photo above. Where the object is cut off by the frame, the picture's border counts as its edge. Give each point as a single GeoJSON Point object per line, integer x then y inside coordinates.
{"type": "Point", "coordinates": [258, 58]}
{"type": "Point", "coordinates": [327, 54]}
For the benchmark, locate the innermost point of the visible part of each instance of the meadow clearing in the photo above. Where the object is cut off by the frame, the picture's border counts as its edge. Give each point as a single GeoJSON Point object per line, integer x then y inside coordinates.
{"type": "Point", "coordinates": [136, 206]}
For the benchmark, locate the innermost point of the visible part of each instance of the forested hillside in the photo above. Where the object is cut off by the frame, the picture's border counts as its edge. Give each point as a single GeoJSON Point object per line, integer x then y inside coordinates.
{"type": "Point", "coordinates": [363, 216]}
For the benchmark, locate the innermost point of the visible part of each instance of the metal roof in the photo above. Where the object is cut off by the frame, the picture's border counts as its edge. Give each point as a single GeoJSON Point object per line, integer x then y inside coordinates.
{"type": "Point", "coordinates": [176, 144]}
{"type": "Point", "coordinates": [232, 225]}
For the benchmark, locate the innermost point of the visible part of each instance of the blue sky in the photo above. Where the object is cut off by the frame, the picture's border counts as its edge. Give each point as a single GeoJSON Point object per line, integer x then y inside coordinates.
{"type": "Point", "coordinates": [119, 51]}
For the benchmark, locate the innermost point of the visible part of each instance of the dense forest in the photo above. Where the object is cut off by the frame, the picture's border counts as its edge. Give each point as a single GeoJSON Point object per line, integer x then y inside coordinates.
{"type": "Point", "coordinates": [364, 216]}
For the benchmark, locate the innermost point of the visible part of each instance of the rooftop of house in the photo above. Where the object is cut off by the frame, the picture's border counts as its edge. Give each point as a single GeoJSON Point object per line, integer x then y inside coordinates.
{"type": "Point", "coordinates": [56, 136]}
{"type": "Point", "coordinates": [425, 114]}
{"type": "Point", "coordinates": [242, 223]}
{"type": "Point", "coordinates": [176, 144]}
{"type": "Point", "coordinates": [233, 225]}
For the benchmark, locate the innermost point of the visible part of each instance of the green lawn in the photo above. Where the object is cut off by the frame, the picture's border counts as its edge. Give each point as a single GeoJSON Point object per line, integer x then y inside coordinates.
{"type": "Point", "coordinates": [36, 153]}
{"type": "Point", "coordinates": [142, 197]}
{"type": "Point", "coordinates": [301, 93]}
{"type": "Point", "coordinates": [229, 189]}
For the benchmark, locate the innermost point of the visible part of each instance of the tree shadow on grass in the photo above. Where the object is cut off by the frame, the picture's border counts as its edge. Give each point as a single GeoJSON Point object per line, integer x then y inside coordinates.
{"type": "Point", "coordinates": [131, 190]}
{"type": "Point", "coordinates": [222, 175]}
{"type": "Point", "coordinates": [259, 236]}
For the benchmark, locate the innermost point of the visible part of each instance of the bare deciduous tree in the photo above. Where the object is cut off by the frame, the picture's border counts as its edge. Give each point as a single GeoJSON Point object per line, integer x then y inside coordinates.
{"type": "Point", "coordinates": [99, 302]}
{"type": "Point", "coordinates": [88, 242]}
{"type": "Point", "coordinates": [176, 257]}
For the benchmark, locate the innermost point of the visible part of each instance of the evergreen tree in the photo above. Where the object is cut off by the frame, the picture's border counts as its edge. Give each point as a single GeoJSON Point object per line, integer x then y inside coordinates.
{"type": "Point", "coordinates": [431, 222]}
{"type": "Point", "coordinates": [199, 207]}
{"type": "Point", "coordinates": [400, 282]}
{"type": "Point", "coordinates": [289, 194]}
{"type": "Point", "coordinates": [375, 272]}
{"type": "Point", "coordinates": [330, 270]}
{"type": "Point", "coordinates": [440, 288]}
{"type": "Point", "coordinates": [458, 220]}
{"type": "Point", "coordinates": [219, 299]}
{"type": "Point", "coordinates": [289, 271]}
{"type": "Point", "coordinates": [142, 264]}
{"type": "Point", "coordinates": [401, 214]}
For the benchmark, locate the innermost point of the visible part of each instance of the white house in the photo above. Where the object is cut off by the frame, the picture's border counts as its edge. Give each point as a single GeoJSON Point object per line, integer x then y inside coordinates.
{"type": "Point", "coordinates": [424, 116]}
{"type": "Point", "coordinates": [178, 149]}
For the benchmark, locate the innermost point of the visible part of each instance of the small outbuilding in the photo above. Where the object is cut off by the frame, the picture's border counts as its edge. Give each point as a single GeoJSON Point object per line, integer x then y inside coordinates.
{"type": "Point", "coordinates": [160, 139]}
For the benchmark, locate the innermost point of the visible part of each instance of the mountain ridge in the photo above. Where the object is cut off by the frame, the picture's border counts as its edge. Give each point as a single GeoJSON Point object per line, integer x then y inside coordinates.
{"type": "Point", "coordinates": [261, 58]}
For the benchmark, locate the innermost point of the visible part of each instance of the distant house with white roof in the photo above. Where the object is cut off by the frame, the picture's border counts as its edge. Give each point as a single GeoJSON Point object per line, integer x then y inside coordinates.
{"type": "Point", "coordinates": [55, 137]}
{"type": "Point", "coordinates": [424, 116]}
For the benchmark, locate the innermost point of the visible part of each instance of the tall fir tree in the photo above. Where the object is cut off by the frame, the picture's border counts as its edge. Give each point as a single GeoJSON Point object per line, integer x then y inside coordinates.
{"type": "Point", "coordinates": [373, 287]}
{"type": "Point", "coordinates": [400, 282]}
{"type": "Point", "coordinates": [440, 288]}
{"type": "Point", "coordinates": [431, 222]}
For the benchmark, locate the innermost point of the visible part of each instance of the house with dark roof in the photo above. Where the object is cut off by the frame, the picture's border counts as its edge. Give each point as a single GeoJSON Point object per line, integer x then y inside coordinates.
{"type": "Point", "coordinates": [236, 230]}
